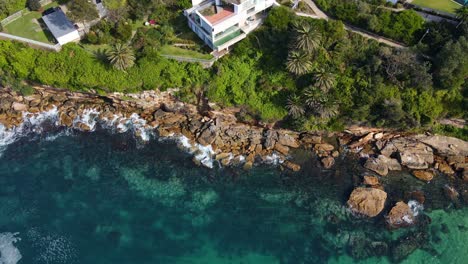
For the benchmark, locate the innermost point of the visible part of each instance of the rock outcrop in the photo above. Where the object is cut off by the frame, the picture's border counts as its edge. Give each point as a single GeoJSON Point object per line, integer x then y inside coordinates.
{"type": "Point", "coordinates": [411, 153]}
{"type": "Point", "coordinates": [400, 215]}
{"type": "Point", "coordinates": [367, 201]}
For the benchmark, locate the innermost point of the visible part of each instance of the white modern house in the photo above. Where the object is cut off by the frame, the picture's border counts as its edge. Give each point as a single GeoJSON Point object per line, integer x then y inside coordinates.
{"type": "Point", "coordinates": [222, 23]}
{"type": "Point", "coordinates": [61, 27]}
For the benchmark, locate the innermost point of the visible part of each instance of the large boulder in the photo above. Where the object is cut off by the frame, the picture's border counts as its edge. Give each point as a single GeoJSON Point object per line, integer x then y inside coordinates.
{"type": "Point", "coordinates": [288, 139]}
{"type": "Point", "coordinates": [271, 137]}
{"type": "Point", "coordinates": [382, 164]}
{"type": "Point", "coordinates": [376, 166]}
{"type": "Point", "coordinates": [19, 107]}
{"type": "Point", "coordinates": [412, 153]}
{"type": "Point", "coordinates": [367, 201]}
{"type": "Point", "coordinates": [446, 146]}
{"type": "Point", "coordinates": [208, 136]}
{"type": "Point", "coordinates": [400, 215]}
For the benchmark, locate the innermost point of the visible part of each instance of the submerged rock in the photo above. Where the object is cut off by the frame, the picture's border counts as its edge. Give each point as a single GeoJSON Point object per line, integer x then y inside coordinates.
{"type": "Point", "coordinates": [423, 175]}
{"type": "Point", "coordinates": [407, 244]}
{"type": "Point", "coordinates": [292, 166]}
{"type": "Point", "coordinates": [367, 201]}
{"type": "Point", "coordinates": [371, 180]}
{"type": "Point", "coordinates": [452, 193]}
{"type": "Point", "coordinates": [400, 215]}
{"type": "Point", "coordinates": [328, 162]}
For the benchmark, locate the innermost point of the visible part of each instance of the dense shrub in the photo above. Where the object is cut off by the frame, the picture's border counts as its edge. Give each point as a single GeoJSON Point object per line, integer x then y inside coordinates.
{"type": "Point", "coordinates": [34, 5]}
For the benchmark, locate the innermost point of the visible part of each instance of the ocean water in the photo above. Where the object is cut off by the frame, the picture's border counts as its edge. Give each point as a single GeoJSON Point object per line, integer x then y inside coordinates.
{"type": "Point", "coordinates": [102, 198]}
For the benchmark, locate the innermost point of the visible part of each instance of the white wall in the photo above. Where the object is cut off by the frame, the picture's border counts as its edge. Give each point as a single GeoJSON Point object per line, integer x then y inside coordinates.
{"type": "Point", "coordinates": [70, 37]}
{"type": "Point", "coordinates": [196, 2]}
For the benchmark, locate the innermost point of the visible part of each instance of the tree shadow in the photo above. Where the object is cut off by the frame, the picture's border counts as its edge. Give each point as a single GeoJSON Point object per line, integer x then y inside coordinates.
{"type": "Point", "coordinates": [101, 56]}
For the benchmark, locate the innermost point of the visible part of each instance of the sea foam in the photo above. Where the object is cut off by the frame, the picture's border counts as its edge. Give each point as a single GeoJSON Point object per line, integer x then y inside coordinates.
{"type": "Point", "coordinates": [9, 254]}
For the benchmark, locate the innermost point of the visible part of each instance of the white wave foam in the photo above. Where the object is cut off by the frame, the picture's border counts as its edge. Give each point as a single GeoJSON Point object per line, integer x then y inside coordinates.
{"type": "Point", "coordinates": [203, 154]}
{"type": "Point", "coordinates": [32, 123]}
{"type": "Point", "coordinates": [9, 254]}
{"type": "Point", "coordinates": [273, 159]}
{"type": "Point", "coordinates": [89, 118]}
{"type": "Point", "coordinates": [415, 207]}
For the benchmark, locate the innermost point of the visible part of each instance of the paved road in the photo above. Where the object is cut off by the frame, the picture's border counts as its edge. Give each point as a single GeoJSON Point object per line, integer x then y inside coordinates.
{"type": "Point", "coordinates": [321, 15]}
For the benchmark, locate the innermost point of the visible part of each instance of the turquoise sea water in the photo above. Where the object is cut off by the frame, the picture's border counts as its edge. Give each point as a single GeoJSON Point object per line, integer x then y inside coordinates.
{"type": "Point", "coordinates": [101, 198]}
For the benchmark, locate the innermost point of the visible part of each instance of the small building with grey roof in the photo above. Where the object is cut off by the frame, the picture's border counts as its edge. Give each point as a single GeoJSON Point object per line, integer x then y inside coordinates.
{"type": "Point", "coordinates": [61, 27]}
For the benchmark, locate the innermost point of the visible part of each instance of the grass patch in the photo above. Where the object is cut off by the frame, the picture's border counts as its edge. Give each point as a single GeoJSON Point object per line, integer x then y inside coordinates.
{"type": "Point", "coordinates": [180, 52]}
{"type": "Point", "coordinates": [442, 5]}
{"type": "Point", "coordinates": [29, 27]}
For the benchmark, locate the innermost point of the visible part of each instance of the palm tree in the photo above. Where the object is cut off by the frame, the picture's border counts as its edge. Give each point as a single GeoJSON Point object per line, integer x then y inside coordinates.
{"type": "Point", "coordinates": [299, 63]}
{"type": "Point", "coordinates": [121, 56]}
{"type": "Point", "coordinates": [462, 14]}
{"type": "Point", "coordinates": [294, 106]}
{"type": "Point", "coordinates": [324, 80]}
{"type": "Point", "coordinates": [313, 98]}
{"type": "Point", "coordinates": [319, 104]}
{"type": "Point", "coordinates": [307, 38]}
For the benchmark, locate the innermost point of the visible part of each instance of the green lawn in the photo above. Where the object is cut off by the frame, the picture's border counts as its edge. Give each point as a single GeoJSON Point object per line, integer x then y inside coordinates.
{"type": "Point", "coordinates": [28, 26]}
{"type": "Point", "coordinates": [442, 5]}
{"type": "Point", "coordinates": [176, 51]}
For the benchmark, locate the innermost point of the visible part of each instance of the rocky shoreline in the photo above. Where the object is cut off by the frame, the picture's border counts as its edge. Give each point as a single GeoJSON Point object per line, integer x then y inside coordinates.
{"type": "Point", "coordinates": [233, 143]}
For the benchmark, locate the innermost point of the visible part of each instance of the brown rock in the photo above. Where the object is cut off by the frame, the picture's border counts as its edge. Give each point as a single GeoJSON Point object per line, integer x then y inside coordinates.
{"type": "Point", "coordinates": [65, 120]}
{"type": "Point", "coordinates": [248, 165]}
{"type": "Point", "coordinates": [446, 169]}
{"type": "Point", "coordinates": [291, 166]}
{"type": "Point", "coordinates": [412, 154]}
{"type": "Point", "coordinates": [371, 180]}
{"type": "Point", "coordinates": [324, 147]}
{"type": "Point", "coordinates": [455, 159]}
{"type": "Point", "coordinates": [423, 175]}
{"type": "Point", "coordinates": [208, 136]}
{"type": "Point", "coordinates": [451, 193]}
{"type": "Point", "coordinates": [376, 165]}
{"type": "Point", "coordinates": [446, 146]}
{"type": "Point", "coordinates": [84, 127]}
{"type": "Point", "coordinates": [288, 139]}
{"type": "Point", "coordinates": [335, 154]}
{"type": "Point", "coordinates": [400, 216]}
{"type": "Point", "coordinates": [367, 201]}
{"type": "Point", "coordinates": [271, 137]}
{"type": "Point", "coordinates": [221, 156]}
{"type": "Point", "coordinates": [281, 149]}
{"type": "Point", "coordinates": [379, 135]}
{"type": "Point", "coordinates": [416, 195]}
{"type": "Point", "coordinates": [362, 141]}
{"type": "Point", "coordinates": [328, 162]}
{"type": "Point", "coordinates": [308, 138]}
{"type": "Point", "coordinates": [465, 175]}
{"type": "Point", "coordinates": [19, 107]}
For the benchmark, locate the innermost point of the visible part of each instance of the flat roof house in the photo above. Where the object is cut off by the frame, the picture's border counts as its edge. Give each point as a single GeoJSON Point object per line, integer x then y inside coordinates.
{"type": "Point", "coordinates": [61, 27]}
{"type": "Point", "coordinates": [222, 23]}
